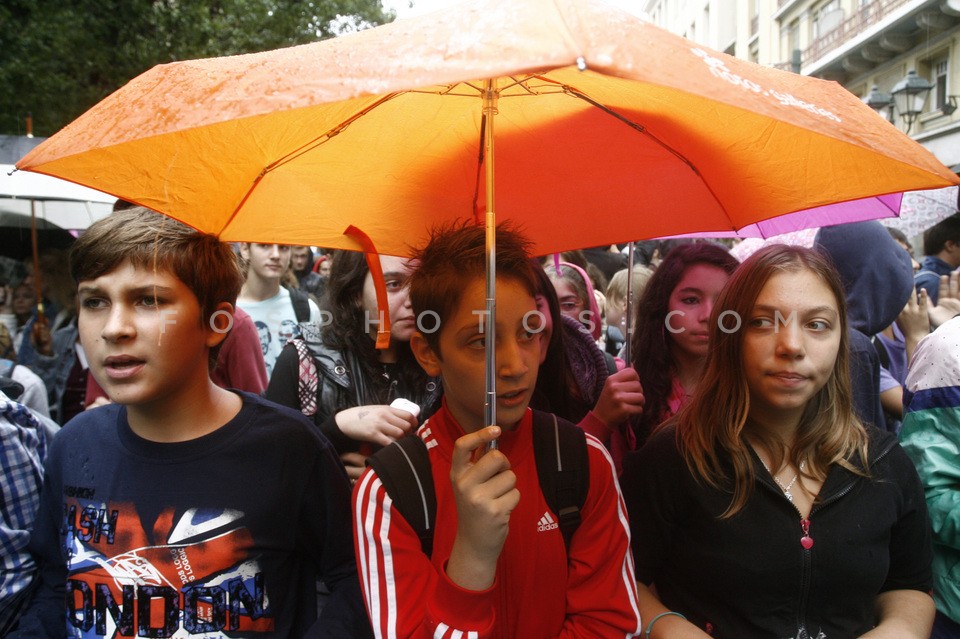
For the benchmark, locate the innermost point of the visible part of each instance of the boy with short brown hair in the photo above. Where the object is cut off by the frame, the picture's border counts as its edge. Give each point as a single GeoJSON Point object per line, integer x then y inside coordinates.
{"type": "Point", "coordinates": [499, 566]}
{"type": "Point", "coordinates": [183, 509]}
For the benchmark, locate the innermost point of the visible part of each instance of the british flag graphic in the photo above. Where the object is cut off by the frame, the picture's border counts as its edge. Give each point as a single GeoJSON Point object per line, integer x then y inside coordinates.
{"type": "Point", "coordinates": [192, 574]}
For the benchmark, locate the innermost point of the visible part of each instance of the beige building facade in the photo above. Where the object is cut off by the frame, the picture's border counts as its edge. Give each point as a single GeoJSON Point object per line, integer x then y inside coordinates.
{"type": "Point", "coordinates": [861, 44]}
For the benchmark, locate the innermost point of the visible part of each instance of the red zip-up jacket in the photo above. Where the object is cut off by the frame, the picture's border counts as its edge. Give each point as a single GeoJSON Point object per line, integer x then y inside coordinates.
{"type": "Point", "coordinates": [538, 592]}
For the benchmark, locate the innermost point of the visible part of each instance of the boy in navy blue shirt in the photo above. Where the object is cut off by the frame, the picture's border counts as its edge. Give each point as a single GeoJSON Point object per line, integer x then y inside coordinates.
{"type": "Point", "coordinates": [182, 509]}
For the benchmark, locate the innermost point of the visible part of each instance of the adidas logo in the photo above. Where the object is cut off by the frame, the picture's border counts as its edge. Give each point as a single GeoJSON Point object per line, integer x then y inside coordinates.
{"type": "Point", "coordinates": [546, 522]}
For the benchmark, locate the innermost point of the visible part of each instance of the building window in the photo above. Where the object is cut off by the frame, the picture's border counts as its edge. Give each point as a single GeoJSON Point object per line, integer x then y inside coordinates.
{"type": "Point", "coordinates": [941, 69]}
{"type": "Point", "coordinates": [793, 39]}
{"type": "Point", "coordinates": [826, 18]}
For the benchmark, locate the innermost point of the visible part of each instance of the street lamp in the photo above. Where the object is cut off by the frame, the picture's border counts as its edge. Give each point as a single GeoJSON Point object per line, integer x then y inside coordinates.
{"type": "Point", "coordinates": [910, 96]}
{"type": "Point", "coordinates": [880, 102]}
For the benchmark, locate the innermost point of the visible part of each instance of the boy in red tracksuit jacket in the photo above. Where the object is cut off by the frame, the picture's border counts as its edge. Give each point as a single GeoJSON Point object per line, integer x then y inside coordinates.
{"type": "Point", "coordinates": [499, 567]}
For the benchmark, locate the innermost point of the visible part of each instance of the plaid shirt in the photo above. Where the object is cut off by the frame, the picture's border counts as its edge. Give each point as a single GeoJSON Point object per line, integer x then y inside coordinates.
{"type": "Point", "coordinates": [22, 449]}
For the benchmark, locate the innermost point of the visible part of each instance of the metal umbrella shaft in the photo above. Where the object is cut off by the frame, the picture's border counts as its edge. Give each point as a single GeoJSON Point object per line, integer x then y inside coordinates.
{"type": "Point", "coordinates": [628, 329]}
{"type": "Point", "coordinates": [37, 284]}
{"type": "Point", "coordinates": [489, 326]}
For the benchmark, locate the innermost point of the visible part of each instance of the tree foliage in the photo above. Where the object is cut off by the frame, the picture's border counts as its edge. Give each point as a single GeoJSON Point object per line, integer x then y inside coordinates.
{"type": "Point", "coordinates": [60, 57]}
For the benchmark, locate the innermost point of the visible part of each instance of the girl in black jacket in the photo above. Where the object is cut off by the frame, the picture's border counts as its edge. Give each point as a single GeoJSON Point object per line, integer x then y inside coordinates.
{"type": "Point", "coordinates": [355, 381]}
{"type": "Point", "coordinates": [765, 508]}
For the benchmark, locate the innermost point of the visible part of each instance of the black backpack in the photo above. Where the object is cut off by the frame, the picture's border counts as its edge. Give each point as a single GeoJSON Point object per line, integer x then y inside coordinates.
{"type": "Point", "coordinates": [301, 304]}
{"type": "Point", "coordinates": [560, 450]}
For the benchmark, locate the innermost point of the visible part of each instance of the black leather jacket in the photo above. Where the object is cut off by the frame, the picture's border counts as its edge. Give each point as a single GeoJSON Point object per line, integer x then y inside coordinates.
{"type": "Point", "coordinates": [340, 386]}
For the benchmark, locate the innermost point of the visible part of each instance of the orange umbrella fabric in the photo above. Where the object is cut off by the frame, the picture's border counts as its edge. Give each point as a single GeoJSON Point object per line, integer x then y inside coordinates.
{"type": "Point", "coordinates": [607, 129]}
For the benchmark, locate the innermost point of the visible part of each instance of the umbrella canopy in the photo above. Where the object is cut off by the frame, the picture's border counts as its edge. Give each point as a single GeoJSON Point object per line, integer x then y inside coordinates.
{"type": "Point", "coordinates": [751, 245]}
{"type": "Point", "coordinates": [63, 203]}
{"type": "Point", "coordinates": [607, 129]}
{"type": "Point", "coordinates": [15, 235]}
{"type": "Point", "coordinates": [581, 122]}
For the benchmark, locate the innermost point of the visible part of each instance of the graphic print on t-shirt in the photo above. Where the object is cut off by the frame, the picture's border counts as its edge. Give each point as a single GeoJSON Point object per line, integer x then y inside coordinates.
{"type": "Point", "coordinates": [191, 575]}
{"type": "Point", "coordinates": [271, 344]}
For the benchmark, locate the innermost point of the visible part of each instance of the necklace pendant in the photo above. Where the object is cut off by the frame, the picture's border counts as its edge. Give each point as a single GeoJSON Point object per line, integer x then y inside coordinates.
{"type": "Point", "coordinates": [788, 495]}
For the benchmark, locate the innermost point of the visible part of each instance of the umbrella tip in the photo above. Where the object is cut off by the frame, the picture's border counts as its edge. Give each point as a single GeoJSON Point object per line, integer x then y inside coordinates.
{"type": "Point", "coordinates": [581, 64]}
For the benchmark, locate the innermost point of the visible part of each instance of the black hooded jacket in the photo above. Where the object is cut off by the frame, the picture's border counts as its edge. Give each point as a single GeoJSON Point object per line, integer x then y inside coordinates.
{"type": "Point", "coordinates": [877, 276]}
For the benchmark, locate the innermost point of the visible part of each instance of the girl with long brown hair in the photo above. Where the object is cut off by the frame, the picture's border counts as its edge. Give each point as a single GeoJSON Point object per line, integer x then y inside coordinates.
{"type": "Point", "coordinates": [765, 508]}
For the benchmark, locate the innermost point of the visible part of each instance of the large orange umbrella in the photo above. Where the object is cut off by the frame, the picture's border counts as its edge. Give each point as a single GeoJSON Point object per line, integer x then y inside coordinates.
{"type": "Point", "coordinates": [607, 128]}
{"type": "Point", "coordinates": [381, 129]}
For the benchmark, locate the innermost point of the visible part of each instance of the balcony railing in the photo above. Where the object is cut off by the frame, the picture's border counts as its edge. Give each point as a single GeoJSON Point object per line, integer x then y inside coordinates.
{"type": "Point", "coordinates": [754, 25]}
{"type": "Point", "coordinates": [865, 16]}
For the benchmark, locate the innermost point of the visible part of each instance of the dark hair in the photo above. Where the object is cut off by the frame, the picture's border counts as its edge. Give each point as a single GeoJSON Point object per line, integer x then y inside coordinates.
{"type": "Point", "coordinates": [149, 240]}
{"type": "Point", "coordinates": [936, 237]}
{"type": "Point", "coordinates": [308, 268]}
{"type": "Point", "coordinates": [555, 381]}
{"type": "Point", "coordinates": [455, 256]}
{"type": "Point", "coordinates": [650, 349]}
{"type": "Point", "coordinates": [122, 205]}
{"type": "Point", "coordinates": [347, 328]}
{"type": "Point", "coordinates": [573, 257]}
{"type": "Point", "coordinates": [344, 300]}
{"type": "Point", "coordinates": [898, 235]}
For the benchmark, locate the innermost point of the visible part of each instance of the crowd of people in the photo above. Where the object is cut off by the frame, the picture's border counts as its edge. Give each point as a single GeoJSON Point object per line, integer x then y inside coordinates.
{"type": "Point", "coordinates": [204, 439]}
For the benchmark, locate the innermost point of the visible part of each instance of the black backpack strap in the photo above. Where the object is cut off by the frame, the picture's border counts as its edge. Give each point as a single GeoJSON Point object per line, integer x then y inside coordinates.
{"type": "Point", "coordinates": [563, 466]}
{"type": "Point", "coordinates": [301, 304]}
{"type": "Point", "coordinates": [882, 352]}
{"type": "Point", "coordinates": [405, 472]}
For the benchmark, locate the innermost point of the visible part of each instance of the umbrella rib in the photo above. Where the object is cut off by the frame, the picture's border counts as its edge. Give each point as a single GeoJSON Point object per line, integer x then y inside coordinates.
{"type": "Point", "coordinates": [305, 148]}
{"type": "Point", "coordinates": [333, 132]}
{"type": "Point", "coordinates": [327, 135]}
{"type": "Point", "coordinates": [640, 129]}
{"type": "Point", "coordinates": [449, 90]}
{"type": "Point", "coordinates": [516, 82]}
{"type": "Point", "coordinates": [522, 83]}
{"type": "Point", "coordinates": [480, 157]}
{"type": "Point", "coordinates": [630, 123]}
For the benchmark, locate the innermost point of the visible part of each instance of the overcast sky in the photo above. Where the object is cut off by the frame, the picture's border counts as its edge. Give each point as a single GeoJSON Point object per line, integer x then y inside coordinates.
{"type": "Point", "coordinates": [404, 10]}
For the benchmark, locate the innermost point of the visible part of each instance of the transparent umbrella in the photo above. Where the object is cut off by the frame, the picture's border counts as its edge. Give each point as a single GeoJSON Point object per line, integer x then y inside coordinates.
{"type": "Point", "coordinates": [922, 209]}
